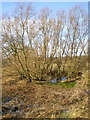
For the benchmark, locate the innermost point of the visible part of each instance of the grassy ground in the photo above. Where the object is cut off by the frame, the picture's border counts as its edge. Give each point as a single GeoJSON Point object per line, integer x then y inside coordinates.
{"type": "Point", "coordinates": [63, 85]}
{"type": "Point", "coordinates": [61, 100]}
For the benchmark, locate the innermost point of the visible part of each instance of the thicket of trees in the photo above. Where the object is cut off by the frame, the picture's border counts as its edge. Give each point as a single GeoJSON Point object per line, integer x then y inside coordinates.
{"type": "Point", "coordinates": [40, 45]}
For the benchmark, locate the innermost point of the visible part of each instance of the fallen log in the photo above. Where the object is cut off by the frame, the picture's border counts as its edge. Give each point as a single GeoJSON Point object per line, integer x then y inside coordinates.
{"type": "Point", "coordinates": [72, 79]}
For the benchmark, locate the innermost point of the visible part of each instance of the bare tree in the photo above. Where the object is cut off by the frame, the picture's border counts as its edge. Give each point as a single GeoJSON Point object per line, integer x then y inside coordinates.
{"type": "Point", "coordinates": [16, 36]}
{"type": "Point", "coordinates": [76, 37]}
{"type": "Point", "coordinates": [42, 45]}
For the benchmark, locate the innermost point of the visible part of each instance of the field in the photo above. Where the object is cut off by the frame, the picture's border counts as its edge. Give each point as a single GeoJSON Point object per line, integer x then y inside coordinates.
{"type": "Point", "coordinates": [32, 100]}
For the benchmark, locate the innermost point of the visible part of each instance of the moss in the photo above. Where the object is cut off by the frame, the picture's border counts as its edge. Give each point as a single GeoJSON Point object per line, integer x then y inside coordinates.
{"type": "Point", "coordinates": [63, 85]}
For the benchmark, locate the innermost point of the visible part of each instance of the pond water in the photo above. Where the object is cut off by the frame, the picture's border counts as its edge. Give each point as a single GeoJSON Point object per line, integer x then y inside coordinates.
{"type": "Point", "coordinates": [54, 80]}
{"type": "Point", "coordinates": [62, 79]}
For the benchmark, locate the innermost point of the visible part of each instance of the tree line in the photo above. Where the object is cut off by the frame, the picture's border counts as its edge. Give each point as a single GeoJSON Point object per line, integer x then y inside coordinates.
{"type": "Point", "coordinates": [43, 44]}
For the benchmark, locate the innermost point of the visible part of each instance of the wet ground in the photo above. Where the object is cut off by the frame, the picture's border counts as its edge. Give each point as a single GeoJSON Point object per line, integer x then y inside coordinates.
{"type": "Point", "coordinates": [40, 101]}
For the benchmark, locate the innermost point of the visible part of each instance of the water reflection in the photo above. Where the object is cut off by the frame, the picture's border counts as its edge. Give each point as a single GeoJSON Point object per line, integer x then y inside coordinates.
{"type": "Point", "coordinates": [54, 80]}
{"type": "Point", "coordinates": [63, 78]}
{"type": "Point", "coordinates": [59, 80]}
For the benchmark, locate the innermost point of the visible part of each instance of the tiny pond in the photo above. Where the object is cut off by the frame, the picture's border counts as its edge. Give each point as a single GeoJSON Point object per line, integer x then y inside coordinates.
{"type": "Point", "coordinates": [58, 83]}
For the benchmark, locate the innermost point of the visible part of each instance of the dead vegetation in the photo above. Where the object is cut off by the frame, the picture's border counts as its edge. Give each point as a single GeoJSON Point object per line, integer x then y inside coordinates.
{"type": "Point", "coordinates": [34, 43]}
{"type": "Point", "coordinates": [37, 48]}
{"type": "Point", "coordinates": [41, 101]}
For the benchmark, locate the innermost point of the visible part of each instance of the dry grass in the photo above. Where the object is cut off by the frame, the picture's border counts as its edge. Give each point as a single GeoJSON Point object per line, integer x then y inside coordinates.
{"type": "Point", "coordinates": [39, 101]}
